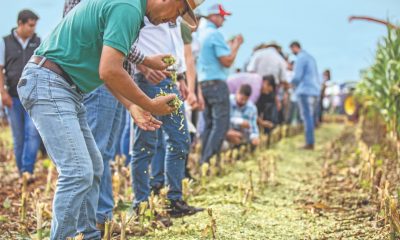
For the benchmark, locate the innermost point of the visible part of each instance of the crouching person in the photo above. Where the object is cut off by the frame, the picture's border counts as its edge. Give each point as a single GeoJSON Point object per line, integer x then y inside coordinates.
{"type": "Point", "coordinates": [243, 119]}
{"type": "Point", "coordinates": [87, 49]}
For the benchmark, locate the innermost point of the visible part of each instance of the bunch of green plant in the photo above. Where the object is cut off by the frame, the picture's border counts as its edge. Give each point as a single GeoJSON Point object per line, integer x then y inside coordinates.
{"type": "Point", "coordinates": [171, 61]}
{"type": "Point", "coordinates": [379, 89]}
{"type": "Point", "coordinates": [175, 103]}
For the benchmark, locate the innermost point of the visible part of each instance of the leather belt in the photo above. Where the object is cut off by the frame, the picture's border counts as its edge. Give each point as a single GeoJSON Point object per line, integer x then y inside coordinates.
{"type": "Point", "coordinates": [209, 83]}
{"type": "Point", "coordinates": [52, 66]}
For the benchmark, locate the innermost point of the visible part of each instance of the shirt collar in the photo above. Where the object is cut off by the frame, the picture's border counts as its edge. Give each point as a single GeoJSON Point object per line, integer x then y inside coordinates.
{"type": "Point", "coordinates": [211, 24]}
{"type": "Point", "coordinates": [19, 38]}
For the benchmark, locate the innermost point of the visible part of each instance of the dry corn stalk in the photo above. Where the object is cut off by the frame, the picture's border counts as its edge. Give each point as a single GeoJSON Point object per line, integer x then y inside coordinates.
{"type": "Point", "coordinates": [163, 201]}
{"type": "Point", "coordinates": [122, 225]}
{"type": "Point", "coordinates": [107, 230]}
{"type": "Point", "coordinates": [24, 201]}
{"type": "Point", "coordinates": [204, 171]}
{"type": "Point", "coordinates": [39, 220]}
{"type": "Point", "coordinates": [49, 179]}
{"type": "Point", "coordinates": [211, 227]}
{"type": "Point", "coordinates": [25, 177]}
{"type": "Point", "coordinates": [187, 190]}
{"type": "Point", "coordinates": [213, 166]}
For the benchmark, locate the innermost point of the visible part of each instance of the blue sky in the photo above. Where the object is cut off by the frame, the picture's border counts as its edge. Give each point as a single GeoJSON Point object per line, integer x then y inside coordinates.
{"type": "Point", "coordinates": [321, 26]}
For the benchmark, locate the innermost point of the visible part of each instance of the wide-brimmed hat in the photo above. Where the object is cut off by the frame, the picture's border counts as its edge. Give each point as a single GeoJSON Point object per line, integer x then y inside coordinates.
{"type": "Point", "coordinates": [189, 16]}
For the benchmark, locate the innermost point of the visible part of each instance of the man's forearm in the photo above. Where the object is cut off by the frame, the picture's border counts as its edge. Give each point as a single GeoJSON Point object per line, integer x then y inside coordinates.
{"type": "Point", "coordinates": [125, 90]}
{"type": "Point", "coordinates": [2, 83]}
{"type": "Point", "coordinates": [191, 69]}
{"type": "Point", "coordinates": [127, 104]}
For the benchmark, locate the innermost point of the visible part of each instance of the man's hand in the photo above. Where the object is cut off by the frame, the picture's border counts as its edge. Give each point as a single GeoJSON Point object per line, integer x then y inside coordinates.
{"type": "Point", "coordinates": [267, 124]}
{"type": "Point", "coordinates": [6, 99]}
{"type": "Point", "coordinates": [156, 61]}
{"type": "Point", "coordinates": [255, 141]}
{"type": "Point", "coordinates": [183, 90]}
{"type": "Point", "coordinates": [153, 76]}
{"type": "Point", "coordinates": [200, 101]}
{"type": "Point", "coordinates": [144, 119]}
{"type": "Point", "coordinates": [238, 40]}
{"type": "Point", "coordinates": [234, 137]}
{"type": "Point", "coordinates": [160, 105]}
{"type": "Point", "coordinates": [245, 124]}
{"type": "Point", "coordinates": [192, 100]}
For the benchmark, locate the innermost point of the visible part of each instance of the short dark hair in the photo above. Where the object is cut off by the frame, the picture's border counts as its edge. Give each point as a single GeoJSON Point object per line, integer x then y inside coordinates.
{"type": "Point", "coordinates": [271, 80]}
{"type": "Point", "coordinates": [295, 44]}
{"type": "Point", "coordinates": [25, 15]}
{"type": "Point", "coordinates": [245, 90]}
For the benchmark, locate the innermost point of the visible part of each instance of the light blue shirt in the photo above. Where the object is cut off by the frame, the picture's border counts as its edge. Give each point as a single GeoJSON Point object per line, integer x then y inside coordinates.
{"type": "Point", "coordinates": [248, 113]}
{"type": "Point", "coordinates": [306, 77]}
{"type": "Point", "coordinates": [213, 46]}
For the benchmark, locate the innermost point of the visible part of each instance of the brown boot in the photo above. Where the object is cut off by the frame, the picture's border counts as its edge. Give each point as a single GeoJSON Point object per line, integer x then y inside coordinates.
{"type": "Point", "coordinates": [308, 147]}
{"type": "Point", "coordinates": [115, 228]}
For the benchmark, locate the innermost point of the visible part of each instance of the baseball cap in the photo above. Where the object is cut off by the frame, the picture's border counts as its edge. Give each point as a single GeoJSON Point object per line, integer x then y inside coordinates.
{"type": "Point", "coordinates": [217, 9]}
{"type": "Point", "coordinates": [189, 16]}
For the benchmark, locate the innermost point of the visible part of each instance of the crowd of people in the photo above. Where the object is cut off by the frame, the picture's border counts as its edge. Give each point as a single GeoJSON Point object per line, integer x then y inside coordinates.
{"type": "Point", "coordinates": [88, 94]}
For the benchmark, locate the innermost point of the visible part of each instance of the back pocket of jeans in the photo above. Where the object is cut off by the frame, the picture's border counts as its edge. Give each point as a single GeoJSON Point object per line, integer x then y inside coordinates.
{"type": "Point", "coordinates": [27, 91]}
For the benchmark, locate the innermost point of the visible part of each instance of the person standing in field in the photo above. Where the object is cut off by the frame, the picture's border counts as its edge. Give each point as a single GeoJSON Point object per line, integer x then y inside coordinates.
{"type": "Point", "coordinates": [167, 148]}
{"type": "Point", "coordinates": [216, 55]}
{"type": "Point", "coordinates": [15, 51]}
{"type": "Point", "coordinates": [105, 116]}
{"type": "Point", "coordinates": [307, 89]}
{"type": "Point", "coordinates": [87, 49]}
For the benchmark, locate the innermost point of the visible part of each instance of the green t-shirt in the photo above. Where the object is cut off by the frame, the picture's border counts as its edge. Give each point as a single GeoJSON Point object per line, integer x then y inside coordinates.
{"type": "Point", "coordinates": [186, 33]}
{"type": "Point", "coordinates": [76, 43]}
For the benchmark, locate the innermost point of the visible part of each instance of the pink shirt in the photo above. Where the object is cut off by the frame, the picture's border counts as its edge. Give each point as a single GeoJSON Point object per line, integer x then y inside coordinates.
{"type": "Point", "coordinates": [253, 79]}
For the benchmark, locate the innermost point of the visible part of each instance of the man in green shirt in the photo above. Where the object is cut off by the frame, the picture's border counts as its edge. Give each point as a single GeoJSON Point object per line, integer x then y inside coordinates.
{"type": "Point", "coordinates": [87, 49]}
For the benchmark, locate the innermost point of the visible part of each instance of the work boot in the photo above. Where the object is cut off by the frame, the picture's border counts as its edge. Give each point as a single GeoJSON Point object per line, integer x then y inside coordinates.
{"type": "Point", "coordinates": [116, 229]}
{"type": "Point", "coordinates": [179, 208]}
{"type": "Point", "coordinates": [308, 147]}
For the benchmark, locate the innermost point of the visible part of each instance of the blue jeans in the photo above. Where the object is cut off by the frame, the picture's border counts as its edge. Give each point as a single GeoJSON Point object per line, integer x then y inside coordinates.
{"type": "Point", "coordinates": [57, 110]}
{"type": "Point", "coordinates": [177, 146]}
{"type": "Point", "coordinates": [307, 106]}
{"type": "Point", "coordinates": [158, 162]}
{"type": "Point", "coordinates": [125, 137]}
{"type": "Point", "coordinates": [25, 136]}
{"type": "Point", "coordinates": [216, 118]}
{"type": "Point", "coordinates": [104, 116]}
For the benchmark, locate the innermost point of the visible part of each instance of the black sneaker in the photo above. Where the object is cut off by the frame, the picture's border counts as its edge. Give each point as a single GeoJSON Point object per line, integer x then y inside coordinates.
{"type": "Point", "coordinates": [179, 208]}
{"type": "Point", "coordinates": [157, 188]}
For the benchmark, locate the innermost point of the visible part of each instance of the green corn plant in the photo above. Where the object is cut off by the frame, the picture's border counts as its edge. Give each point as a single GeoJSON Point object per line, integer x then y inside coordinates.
{"type": "Point", "coordinates": [379, 89]}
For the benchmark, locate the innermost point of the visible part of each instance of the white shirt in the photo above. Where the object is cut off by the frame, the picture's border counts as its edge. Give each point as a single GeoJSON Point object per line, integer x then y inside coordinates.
{"type": "Point", "coordinates": [165, 38]}
{"type": "Point", "coordinates": [3, 47]}
{"type": "Point", "coordinates": [268, 61]}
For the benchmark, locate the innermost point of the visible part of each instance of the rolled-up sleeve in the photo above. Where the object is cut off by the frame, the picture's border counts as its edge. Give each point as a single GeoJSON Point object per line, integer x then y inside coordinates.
{"type": "Point", "coordinates": [135, 56]}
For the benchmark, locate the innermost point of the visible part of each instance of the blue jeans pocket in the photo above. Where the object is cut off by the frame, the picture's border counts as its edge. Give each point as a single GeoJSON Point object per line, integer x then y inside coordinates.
{"type": "Point", "coordinates": [27, 91]}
